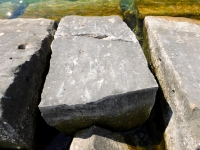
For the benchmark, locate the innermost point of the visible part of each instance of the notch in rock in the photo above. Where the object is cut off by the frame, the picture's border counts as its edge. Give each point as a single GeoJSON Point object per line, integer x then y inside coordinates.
{"type": "Point", "coordinates": [22, 46]}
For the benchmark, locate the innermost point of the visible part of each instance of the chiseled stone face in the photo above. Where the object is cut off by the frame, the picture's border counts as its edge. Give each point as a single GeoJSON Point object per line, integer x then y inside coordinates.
{"type": "Point", "coordinates": [174, 52]}
{"type": "Point", "coordinates": [24, 49]}
{"type": "Point", "coordinates": [98, 75]}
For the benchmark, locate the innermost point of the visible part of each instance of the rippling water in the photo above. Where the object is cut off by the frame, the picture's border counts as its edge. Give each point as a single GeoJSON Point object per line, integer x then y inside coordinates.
{"type": "Point", "coordinates": [56, 9]}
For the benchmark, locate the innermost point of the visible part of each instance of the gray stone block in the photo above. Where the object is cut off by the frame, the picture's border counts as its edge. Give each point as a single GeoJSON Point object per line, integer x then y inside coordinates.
{"type": "Point", "coordinates": [99, 139]}
{"type": "Point", "coordinates": [173, 49]}
{"type": "Point", "coordinates": [98, 75]}
{"type": "Point", "coordinates": [24, 49]}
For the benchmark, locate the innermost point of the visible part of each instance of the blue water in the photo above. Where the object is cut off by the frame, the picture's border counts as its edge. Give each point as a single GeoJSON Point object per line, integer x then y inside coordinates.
{"type": "Point", "coordinates": [21, 1]}
{"type": "Point", "coordinates": [10, 9]}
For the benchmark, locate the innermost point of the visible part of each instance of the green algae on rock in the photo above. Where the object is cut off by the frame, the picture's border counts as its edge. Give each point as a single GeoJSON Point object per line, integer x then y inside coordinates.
{"type": "Point", "coordinates": [57, 9]}
{"type": "Point", "coordinates": [139, 9]}
{"type": "Point", "coordinates": [6, 9]}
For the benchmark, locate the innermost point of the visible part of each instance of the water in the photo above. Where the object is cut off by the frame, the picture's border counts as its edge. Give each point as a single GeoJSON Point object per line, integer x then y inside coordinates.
{"type": "Point", "coordinates": [56, 9]}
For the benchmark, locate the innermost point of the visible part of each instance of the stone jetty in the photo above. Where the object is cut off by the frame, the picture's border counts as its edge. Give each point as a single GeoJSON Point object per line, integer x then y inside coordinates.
{"type": "Point", "coordinates": [97, 76]}
{"type": "Point", "coordinates": [24, 55]}
{"type": "Point", "coordinates": [172, 47]}
{"type": "Point", "coordinates": [91, 83]}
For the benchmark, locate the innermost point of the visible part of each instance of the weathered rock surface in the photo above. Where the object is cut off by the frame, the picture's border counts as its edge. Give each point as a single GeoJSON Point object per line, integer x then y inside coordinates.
{"type": "Point", "coordinates": [98, 75]}
{"type": "Point", "coordinates": [98, 138]}
{"type": "Point", "coordinates": [172, 48]}
{"type": "Point", "coordinates": [24, 49]}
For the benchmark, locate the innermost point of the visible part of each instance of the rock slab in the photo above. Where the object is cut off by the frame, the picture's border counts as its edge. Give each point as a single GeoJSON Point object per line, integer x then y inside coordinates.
{"type": "Point", "coordinates": [98, 138]}
{"type": "Point", "coordinates": [172, 49]}
{"type": "Point", "coordinates": [98, 75]}
{"type": "Point", "coordinates": [24, 50]}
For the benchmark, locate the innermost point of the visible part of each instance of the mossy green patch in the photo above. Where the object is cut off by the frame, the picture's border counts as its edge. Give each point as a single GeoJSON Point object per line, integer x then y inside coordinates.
{"type": "Point", "coordinates": [58, 9]}
{"type": "Point", "coordinates": [6, 9]}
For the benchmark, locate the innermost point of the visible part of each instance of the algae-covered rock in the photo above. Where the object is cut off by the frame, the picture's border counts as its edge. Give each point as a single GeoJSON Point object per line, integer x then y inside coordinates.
{"type": "Point", "coordinates": [190, 10]}
{"type": "Point", "coordinates": [57, 9]}
{"type": "Point", "coordinates": [137, 11]}
{"type": "Point", "coordinates": [6, 9]}
{"type": "Point", "coordinates": [183, 8]}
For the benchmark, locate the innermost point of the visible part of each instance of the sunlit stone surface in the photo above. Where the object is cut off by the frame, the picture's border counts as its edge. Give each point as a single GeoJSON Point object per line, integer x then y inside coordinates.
{"type": "Point", "coordinates": [24, 51]}
{"type": "Point", "coordinates": [172, 47]}
{"type": "Point", "coordinates": [98, 139]}
{"type": "Point", "coordinates": [98, 75]}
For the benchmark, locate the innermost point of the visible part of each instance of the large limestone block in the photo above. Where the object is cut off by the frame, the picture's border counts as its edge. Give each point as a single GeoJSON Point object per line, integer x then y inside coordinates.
{"type": "Point", "coordinates": [24, 49]}
{"type": "Point", "coordinates": [172, 48]}
{"type": "Point", "coordinates": [98, 75]}
{"type": "Point", "coordinates": [99, 139]}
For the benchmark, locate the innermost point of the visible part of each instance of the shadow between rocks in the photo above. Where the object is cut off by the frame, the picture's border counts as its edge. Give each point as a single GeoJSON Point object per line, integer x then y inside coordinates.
{"type": "Point", "coordinates": [20, 101]}
{"type": "Point", "coordinates": [150, 135]}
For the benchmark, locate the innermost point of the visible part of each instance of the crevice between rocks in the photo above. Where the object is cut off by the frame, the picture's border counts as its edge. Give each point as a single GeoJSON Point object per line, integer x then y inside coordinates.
{"type": "Point", "coordinates": [96, 36]}
{"type": "Point", "coordinates": [44, 132]}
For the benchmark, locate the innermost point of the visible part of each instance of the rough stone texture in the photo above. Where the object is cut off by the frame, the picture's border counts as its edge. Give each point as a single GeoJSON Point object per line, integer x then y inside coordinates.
{"type": "Point", "coordinates": [24, 49]}
{"type": "Point", "coordinates": [172, 48]}
{"type": "Point", "coordinates": [98, 75]}
{"type": "Point", "coordinates": [98, 138]}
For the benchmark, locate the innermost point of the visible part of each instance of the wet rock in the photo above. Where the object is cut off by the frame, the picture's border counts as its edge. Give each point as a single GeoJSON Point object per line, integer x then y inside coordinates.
{"type": "Point", "coordinates": [139, 9]}
{"type": "Point", "coordinates": [172, 49]}
{"type": "Point", "coordinates": [98, 75]}
{"type": "Point", "coordinates": [24, 49]}
{"type": "Point", "coordinates": [57, 10]}
{"type": "Point", "coordinates": [184, 8]}
{"type": "Point", "coordinates": [98, 138]}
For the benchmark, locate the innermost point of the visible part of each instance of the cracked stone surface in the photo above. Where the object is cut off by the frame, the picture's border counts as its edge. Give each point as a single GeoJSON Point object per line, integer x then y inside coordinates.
{"type": "Point", "coordinates": [98, 75]}
{"type": "Point", "coordinates": [24, 49]}
{"type": "Point", "coordinates": [172, 48]}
